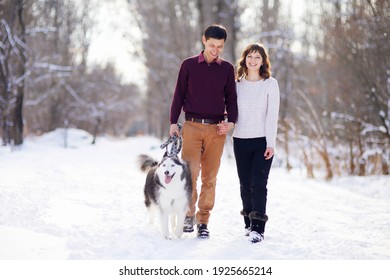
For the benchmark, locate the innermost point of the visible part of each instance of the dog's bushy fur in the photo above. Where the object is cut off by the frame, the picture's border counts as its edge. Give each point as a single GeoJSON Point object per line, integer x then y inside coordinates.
{"type": "Point", "coordinates": [168, 189]}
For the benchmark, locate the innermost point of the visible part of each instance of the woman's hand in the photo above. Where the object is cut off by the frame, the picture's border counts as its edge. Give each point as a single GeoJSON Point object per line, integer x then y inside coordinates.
{"type": "Point", "coordinates": [224, 127]}
{"type": "Point", "coordinates": [269, 153]}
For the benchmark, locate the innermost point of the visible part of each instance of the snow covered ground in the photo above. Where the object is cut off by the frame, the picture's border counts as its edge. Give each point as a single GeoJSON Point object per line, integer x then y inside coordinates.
{"type": "Point", "coordinates": [86, 203]}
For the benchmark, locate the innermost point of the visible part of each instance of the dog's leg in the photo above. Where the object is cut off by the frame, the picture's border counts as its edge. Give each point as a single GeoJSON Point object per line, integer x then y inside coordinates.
{"type": "Point", "coordinates": [164, 219]}
{"type": "Point", "coordinates": [180, 216]}
{"type": "Point", "coordinates": [151, 210]}
{"type": "Point", "coordinates": [173, 221]}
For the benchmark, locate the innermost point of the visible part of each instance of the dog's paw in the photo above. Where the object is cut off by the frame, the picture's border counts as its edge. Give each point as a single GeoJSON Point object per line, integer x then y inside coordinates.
{"type": "Point", "coordinates": [179, 233]}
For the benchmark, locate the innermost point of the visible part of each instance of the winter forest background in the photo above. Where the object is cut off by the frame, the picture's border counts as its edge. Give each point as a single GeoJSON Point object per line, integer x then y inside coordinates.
{"type": "Point", "coordinates": [332, 62]}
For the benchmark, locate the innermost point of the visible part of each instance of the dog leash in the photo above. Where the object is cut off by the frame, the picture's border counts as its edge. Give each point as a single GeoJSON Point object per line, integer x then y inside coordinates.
{"type": "Point", "coordinates": [176, 144]}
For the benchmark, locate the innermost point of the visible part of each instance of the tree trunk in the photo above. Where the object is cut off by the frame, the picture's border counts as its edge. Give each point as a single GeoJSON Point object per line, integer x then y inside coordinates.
{"type": "Point", "coordinates": [12, 83]}
{"type": "Point", "coordinates": [351, 158]}
{"type": "Point", "coordinates": [18, 111]}
{"type": "Point", "coordinates": [286, 128]}
{"type": "Point", "coordinates": [225, 13]}
{"type": "Point", "coordinates": [325, 156]}
{"type": "Point", "coordinates": [385, 166]}
{"type": "Point", "coordinates": [362, 160]}
{"type": "Point", "coordinates": [309, 166]}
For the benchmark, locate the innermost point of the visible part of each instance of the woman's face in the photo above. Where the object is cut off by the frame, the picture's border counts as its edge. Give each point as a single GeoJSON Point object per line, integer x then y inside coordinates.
{"type": "Point", "coordinates": [253, 61]}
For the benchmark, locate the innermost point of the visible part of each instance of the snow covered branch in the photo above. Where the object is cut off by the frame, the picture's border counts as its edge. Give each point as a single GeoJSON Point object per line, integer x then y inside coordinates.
{"type": "Point", "coordinates": [45, 30]}
{"type": "Point", "coordinates": [53, 67]}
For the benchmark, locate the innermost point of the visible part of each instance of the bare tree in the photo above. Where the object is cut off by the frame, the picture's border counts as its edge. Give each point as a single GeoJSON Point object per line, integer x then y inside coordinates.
{"type": "Point", "coordinates": [360, 49]}
{"type": "Point", "coordinates": [316, 132]}
{"type": "Point", "coordinates": [346, 80]}
{"type": "Point", "coordinates": [13, 59]}
{"type": "Point", "coordinates": [224, 12]}
{"type": "Point", "coordinates": [170, 34]}
{"type": "Point", "coordinates": [53, 84]}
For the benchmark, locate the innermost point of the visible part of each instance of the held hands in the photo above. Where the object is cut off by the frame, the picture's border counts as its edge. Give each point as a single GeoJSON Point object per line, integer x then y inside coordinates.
{"type": "Point", "coordinates": [269, 152]}
{"type": "Point", "coordinates": [224, 127]}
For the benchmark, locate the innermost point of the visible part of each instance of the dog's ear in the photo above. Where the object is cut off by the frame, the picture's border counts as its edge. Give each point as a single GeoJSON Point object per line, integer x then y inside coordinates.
{"type": "Point", "coordinates": [162, 160]}
{"type": "Point", "coordinates": [176, 160]}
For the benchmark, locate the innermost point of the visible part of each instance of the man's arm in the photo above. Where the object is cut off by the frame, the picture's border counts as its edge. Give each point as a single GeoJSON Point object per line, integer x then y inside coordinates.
{"type": "Point", "coordinates": [179, 94]}
{"type": "Point", "coordinates": [231, 97]}
{"type": "Point", "coordinates": [230, 104]}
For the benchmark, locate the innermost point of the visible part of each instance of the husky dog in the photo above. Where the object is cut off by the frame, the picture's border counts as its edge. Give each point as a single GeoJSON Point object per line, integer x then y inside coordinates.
{"type": "Point", "coordinates": [168, 189]}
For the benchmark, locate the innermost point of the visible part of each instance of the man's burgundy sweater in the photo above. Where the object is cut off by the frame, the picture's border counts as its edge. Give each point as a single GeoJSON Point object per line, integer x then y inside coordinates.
{"type": "Point", "coordinates": [205, 90]}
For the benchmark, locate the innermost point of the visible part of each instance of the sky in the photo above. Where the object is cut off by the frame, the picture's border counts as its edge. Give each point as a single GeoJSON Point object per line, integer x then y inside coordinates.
{"type": "Point", "coordinates": [85, 203]}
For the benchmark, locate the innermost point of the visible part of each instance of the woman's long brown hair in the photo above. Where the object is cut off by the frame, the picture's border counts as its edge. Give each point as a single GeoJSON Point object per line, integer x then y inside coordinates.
{"type": "Point", "coordinates": [265, 69]}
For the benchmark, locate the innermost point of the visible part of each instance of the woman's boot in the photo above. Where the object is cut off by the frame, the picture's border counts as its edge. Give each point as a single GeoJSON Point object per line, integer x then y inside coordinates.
{"type": "Point", "coordinates": [258, 221]}
{"type": "Point", "coordinates": [247, 222]}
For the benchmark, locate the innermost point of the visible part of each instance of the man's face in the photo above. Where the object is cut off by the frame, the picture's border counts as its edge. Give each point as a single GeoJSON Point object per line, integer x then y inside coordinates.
{"type": "Point", "coordinates": [212, 48]}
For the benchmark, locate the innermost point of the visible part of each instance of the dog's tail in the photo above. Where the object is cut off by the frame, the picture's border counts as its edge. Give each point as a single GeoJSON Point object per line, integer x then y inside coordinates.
{"type": "Point", "coordinates": [146, 163]}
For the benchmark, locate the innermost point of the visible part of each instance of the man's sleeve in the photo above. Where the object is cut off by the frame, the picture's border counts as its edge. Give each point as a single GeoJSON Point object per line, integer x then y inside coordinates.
{"type": "Point", "coordinates": [231, 97]}
{"type": "Point", "coordinates": [179, 94]}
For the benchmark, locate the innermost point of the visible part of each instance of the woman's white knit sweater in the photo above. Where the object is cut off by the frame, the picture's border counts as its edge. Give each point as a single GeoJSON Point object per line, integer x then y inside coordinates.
{"type": "Point", "coordinates": [258, 109]}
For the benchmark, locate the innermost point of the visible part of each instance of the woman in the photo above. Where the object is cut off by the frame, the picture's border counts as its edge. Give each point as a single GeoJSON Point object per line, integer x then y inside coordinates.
{"type": "Point", "coordinates": [255, 135]}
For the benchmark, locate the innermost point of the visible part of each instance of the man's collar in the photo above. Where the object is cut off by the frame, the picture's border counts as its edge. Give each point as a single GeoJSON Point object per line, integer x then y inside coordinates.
{"type": "Point", "coordinates": [202, 59]}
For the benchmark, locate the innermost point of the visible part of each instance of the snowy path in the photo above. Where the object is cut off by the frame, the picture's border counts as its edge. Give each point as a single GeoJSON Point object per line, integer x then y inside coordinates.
{"type": "Point", "coordinates": [86, 202]}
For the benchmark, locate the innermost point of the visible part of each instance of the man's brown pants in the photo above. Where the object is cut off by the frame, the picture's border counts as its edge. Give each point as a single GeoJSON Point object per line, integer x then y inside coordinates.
{"type": "Point", "coordinates": [202, 148]}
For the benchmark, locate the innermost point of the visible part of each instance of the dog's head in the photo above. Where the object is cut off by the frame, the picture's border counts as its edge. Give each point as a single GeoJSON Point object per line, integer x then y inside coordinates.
{"type": "Point", "coordinates": [168, 168]}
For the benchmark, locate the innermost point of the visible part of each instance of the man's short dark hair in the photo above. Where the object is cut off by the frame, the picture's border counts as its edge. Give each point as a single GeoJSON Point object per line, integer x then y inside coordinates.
{"type": "Point", "coordinates": [215, 31]}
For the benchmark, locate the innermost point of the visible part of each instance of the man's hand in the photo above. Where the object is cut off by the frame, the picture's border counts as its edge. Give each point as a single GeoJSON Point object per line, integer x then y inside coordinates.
{"type": "Point", "coordinates": [174, 129]}
{"type": "Point", "coordinates": [224, 128]}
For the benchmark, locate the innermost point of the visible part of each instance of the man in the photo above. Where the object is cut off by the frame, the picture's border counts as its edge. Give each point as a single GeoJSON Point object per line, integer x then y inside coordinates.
{"type": "Point", "coordinates": [205, 89]}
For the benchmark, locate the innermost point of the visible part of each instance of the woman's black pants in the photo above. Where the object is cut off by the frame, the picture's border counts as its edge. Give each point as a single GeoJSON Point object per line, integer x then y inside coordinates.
{"type": "Point", "coordinates": [253, 170]}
